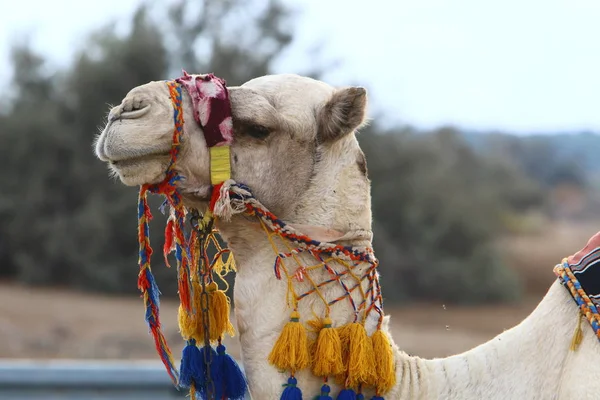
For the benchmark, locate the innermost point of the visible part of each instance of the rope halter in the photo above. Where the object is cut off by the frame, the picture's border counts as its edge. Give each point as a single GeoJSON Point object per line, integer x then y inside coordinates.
{"type": "Point", "coordinates": [345, 353]}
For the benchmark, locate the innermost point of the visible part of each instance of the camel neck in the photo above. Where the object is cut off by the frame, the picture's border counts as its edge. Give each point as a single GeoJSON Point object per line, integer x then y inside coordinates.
{"type": "Point", "coordinates": [262, 307]}
{"type": "Point", "coordinates": [525, 362]}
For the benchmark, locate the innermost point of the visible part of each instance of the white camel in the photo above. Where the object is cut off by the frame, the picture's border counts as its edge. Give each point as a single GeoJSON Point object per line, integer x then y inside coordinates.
{"type": "Point", "coordinates": [295, 147]}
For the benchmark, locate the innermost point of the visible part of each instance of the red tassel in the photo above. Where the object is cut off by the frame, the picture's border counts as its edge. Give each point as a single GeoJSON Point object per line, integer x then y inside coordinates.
{"type": "Point", "coordinates": [168, 246]}
{"type": "Point", "coordinates": [216, 193]}
{"type": "Point", "coordinates": [147, 211]}
{"type": "Point", "coordinates": [183, 285]}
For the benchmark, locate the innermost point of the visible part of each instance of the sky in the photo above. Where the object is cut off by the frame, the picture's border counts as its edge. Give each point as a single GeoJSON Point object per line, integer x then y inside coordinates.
{"type": "Point", "coordinates": [514, 65]}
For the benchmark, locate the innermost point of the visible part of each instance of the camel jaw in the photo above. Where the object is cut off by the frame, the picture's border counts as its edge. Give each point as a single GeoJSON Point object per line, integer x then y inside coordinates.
{"type": "Point", "coordinates": [134, 162]}
{"type": "Point", "coordinates": [140, 170]}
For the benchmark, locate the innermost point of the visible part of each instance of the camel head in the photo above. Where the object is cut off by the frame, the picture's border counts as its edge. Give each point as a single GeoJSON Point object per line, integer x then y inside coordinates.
{"type": "Point", "coordinates": [282, 126]}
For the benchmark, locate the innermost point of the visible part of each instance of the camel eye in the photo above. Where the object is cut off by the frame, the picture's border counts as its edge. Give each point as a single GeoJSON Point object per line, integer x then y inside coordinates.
{"type": "Point", "coordinates": [257, 131]}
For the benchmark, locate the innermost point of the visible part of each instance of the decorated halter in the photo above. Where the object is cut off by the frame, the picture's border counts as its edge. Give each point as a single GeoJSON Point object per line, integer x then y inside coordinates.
{"type": "Point", "coordinates": [344, 353]}
{"type": "Point", "coordinates": [580, 274]}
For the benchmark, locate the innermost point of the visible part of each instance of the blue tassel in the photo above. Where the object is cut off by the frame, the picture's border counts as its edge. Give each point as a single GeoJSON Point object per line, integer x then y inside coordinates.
{"type": "Point", "coordinates": [360, 396]}
{"type": "Point", "coordinates": [191, 369]}
{"type": "Point", "coordinates": [346, 394]}
{"type": "Point", "coordinates": [291, 392]}
{"type": "Point", "coordinates": [229, 380]}
{"type": "Point", "coordinates": [200, 366]}
{"type": "Point", "coordinates": [325, 389]}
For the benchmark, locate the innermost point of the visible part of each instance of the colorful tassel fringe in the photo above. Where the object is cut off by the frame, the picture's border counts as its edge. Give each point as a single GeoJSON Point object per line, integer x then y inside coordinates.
{"type": "Point", "coordinates": [188, 325]}
{"type": "Point", "coordinates": [384, 362]}
{"type": "Point", "coordinates": [346, 394]}
{"type": "Point", "coordinates": [190, 371]}
{"type": "Point", "coordinates": [328, 352]}
{"type": "Point", "coordinates": [229, 380]}
{"type": "Point", "coordinates": [191, 324]}
{"type": "Point", "coordinates": [193, 372]}
{"type": "Point", "coordinates": [219, 313]}
{"type": "Point", "coordinates": [361, 360]}
{"type": "Point", "coordinates": [290, 352]}
{"type": "Point", "coordinates": [291, 391]}
{"type": "Point", "coordinates": [325, 390]}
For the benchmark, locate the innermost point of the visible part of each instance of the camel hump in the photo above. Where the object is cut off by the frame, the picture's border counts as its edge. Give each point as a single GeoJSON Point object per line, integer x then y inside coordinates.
{"type": "Point", "coordinates": [590, 253]}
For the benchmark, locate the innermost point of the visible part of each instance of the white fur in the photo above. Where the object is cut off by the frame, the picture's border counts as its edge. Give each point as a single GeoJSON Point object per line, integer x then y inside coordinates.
{"type": "Point", "coordinates": [529, 361]}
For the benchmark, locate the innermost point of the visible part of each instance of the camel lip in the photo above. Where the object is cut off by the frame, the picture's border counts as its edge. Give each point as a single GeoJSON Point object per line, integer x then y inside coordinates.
{"type": "Point", "coordinates": [118, 161]}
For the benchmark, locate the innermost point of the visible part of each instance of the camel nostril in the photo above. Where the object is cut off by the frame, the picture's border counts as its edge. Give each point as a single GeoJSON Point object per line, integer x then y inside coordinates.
{"type": "Point", "coordinates": [134, 112]}
{"type": "Point", "coordinates": [114, 114]}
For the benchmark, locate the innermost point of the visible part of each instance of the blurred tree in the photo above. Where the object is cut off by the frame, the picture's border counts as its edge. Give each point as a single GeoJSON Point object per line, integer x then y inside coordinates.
{"type": "Point", "coordinates": [539, 157]}
{"type": "Point", "coordinates": [436, 217]}
{"type": "Point", "coordinates": [64, 222]}
{"type": "Point", "coordinates": [438, 204]}
{"type": "Point", "coordinates": [64, 216]}
{"type": "Point", "coordinates": [239, 39]}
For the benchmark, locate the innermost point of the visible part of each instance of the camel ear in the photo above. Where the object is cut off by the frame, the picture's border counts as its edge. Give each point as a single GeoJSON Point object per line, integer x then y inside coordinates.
{"type": "Point", "coordinates": [342, 114]}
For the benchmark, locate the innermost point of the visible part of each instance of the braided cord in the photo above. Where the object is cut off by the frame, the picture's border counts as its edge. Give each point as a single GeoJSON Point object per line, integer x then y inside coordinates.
{"type": "Point", "coordinates": [150, 292]}
{"type": "Point", "coordinates": [587, 307]}
{"type": "Point", "coordinates": [146, 282]}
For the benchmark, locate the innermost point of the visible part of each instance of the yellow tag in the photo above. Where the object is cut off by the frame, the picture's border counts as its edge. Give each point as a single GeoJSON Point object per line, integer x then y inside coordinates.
{"type": "Point", "coordinates": [220, 165]}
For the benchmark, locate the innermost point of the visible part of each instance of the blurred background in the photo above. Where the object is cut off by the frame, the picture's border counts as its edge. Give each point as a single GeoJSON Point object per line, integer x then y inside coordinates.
{"type": "Point", "coordinates": [483, 153]}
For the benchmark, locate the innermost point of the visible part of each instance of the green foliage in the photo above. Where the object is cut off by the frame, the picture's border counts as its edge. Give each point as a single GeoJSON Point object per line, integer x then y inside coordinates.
{"type": "Point", "coordinates": [436, 218]}
{"type": "Point", "coordinates": [64, 221]}
{"type": "Point", "coordinates": [67, 223]}
{"type": "Point", "coordinates": [548, 160]}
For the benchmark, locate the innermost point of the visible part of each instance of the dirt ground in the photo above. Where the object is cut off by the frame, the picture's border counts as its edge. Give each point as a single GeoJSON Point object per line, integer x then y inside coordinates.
{"type": "Point", "coordinates": [52, 323]}
{"type": "Point", "coordinates": [46, 323]}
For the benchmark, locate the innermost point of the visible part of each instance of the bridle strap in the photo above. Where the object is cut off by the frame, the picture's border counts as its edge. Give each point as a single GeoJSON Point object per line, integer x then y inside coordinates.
{"type": "Point", "coordinates": [212, 111]}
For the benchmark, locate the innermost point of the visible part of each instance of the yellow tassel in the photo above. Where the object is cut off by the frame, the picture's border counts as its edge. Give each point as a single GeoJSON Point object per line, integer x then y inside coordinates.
{"type": "Point", "coordinates": [198, 333]}
{"type": "Point", "coordinates": [190, 323]}
{"type": "Point", "coordinates": [371, 377]}
{"type": "Point", "coordinates": [315, 325]}
{"type": "Point", "coordinates": [290, 352]}
{"type": "Point", "coordinates": [577, 335]}
{"type": "Point", "coordinates": [224, 267]}
{"type": "Point", "coordinates": [343, 333]}
{"type": "Point", "coordinates": [384, 362]}
{"type": "Point", "coordinates": [218, 311]}
{"type": "Point", "coordinates": [361, 360]}
{"type": "Point", "coordinates": [187, 324]}
{"type": "Point", "coordinates": [313, 328]}
{"type": "Point", "coordinates": [328, 352]}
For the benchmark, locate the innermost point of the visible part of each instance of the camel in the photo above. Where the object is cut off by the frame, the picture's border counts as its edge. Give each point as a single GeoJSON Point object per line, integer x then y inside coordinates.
{"type": "Point", "coordinates": [295, 146]}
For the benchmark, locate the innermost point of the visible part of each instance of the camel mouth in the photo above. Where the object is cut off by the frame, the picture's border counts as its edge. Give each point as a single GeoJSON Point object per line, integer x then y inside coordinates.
{"type": "Point", "coordinates": [136, 160]}
{"type": "Point", "coordinates": [140, 170]}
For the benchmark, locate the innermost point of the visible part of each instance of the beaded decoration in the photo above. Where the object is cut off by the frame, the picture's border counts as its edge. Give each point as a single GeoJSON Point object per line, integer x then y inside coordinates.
{"type": "Point", "coordinates": [345, 353]}
{"type": "Point", "coordinates": [580, 274]}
